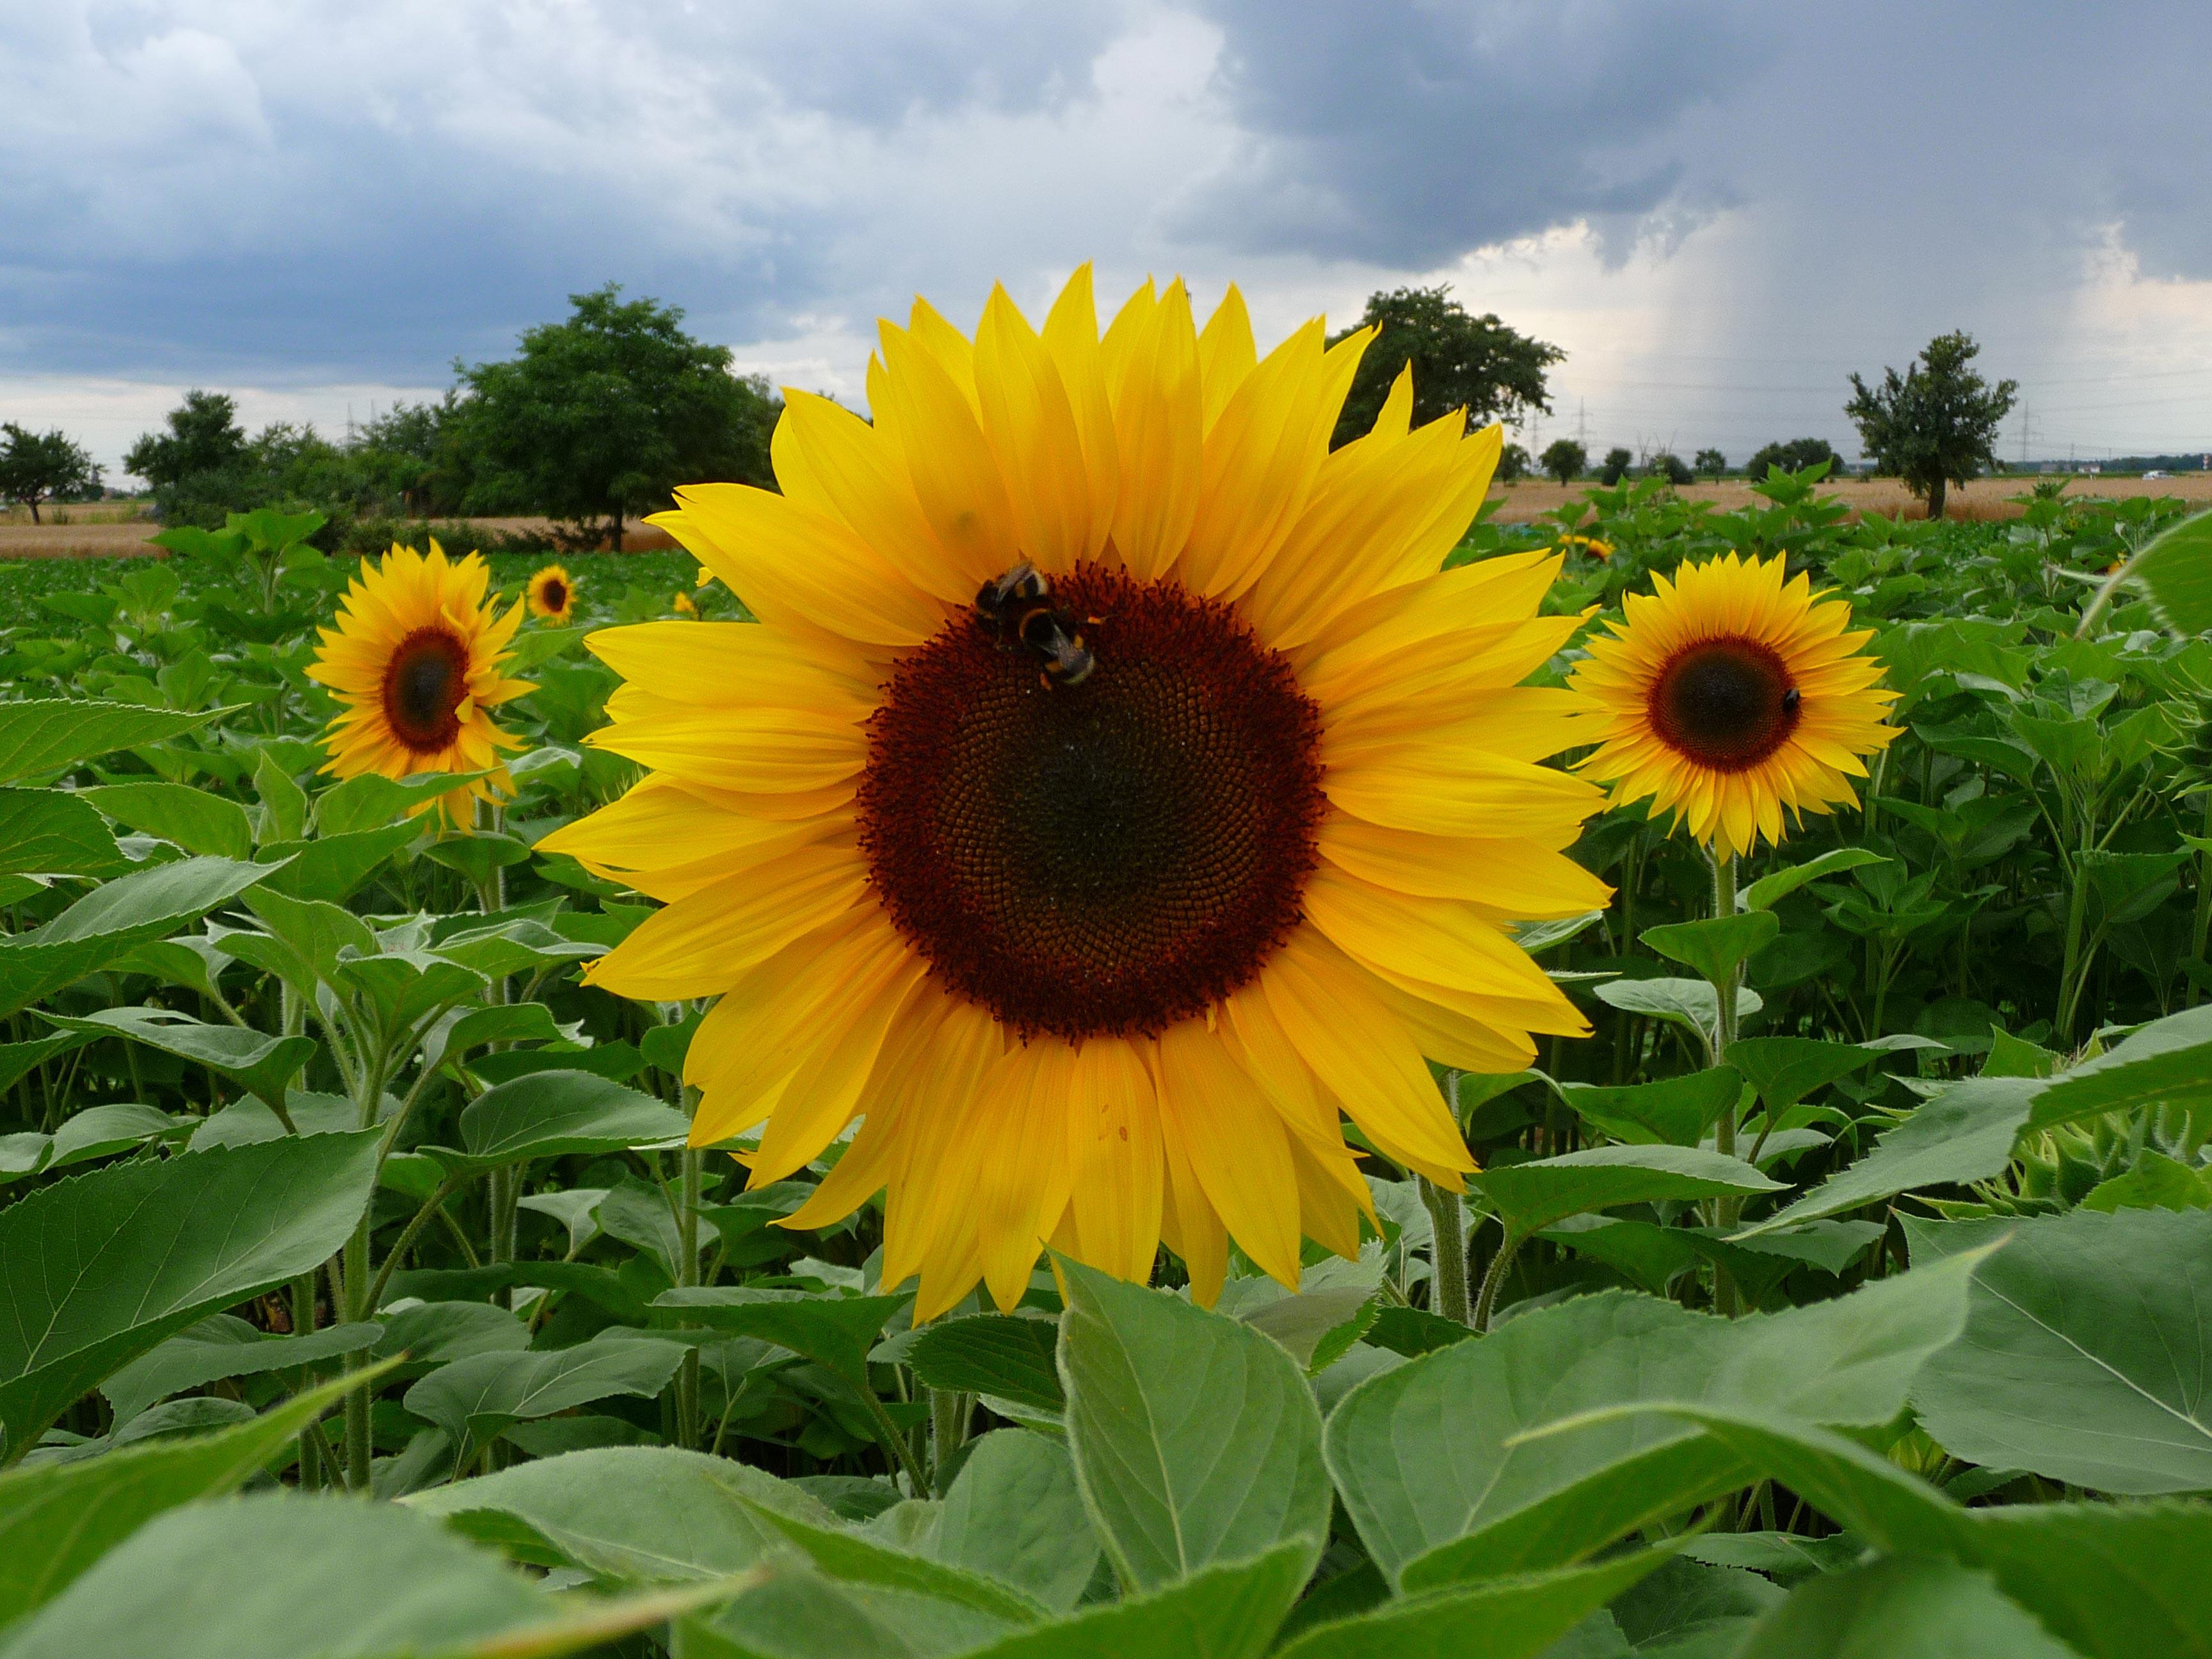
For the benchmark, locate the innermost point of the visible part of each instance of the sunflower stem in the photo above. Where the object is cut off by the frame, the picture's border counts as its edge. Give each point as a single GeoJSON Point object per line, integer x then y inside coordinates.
{"type": "Point", "coordinates": [1494, 1279]}
{"type": "Point", "coordinates": [687, 1274]}
{"type": "Point", "coordinates": [1449, 1252]}
{"type": "Point", "coordinates": [1730, 1210]}
{"type": "Point", "coordinates": [949, 1410]}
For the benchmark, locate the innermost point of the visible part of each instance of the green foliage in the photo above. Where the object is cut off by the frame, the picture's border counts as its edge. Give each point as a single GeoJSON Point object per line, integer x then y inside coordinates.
{"type": "Point", "coordinates": [1670, 466]}
{"type": "Point", "coordinates": [41, 466]}
{"type": "Point", "coordinates": [1617, 463]}
{"type": "Point", "coordinates": [1459, 361]}
{"type": "Point", "coordinates": [1791, 455]}
{"type": "Point", "coordinates": [1564, 460]}
{"type": "Point", "coordinates": [1711, 463]}
{"type": "Point", "coordinates": [1933, 425]}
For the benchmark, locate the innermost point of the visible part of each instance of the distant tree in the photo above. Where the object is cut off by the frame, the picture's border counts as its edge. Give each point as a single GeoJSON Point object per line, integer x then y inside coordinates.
{"type": "Point", "coordinates": [1795, 456]}
{"type": "Point", "coordinates": [604, 413]}
{"type": "Point", "coordinates": [1566, 459]}
{"type": "Point", "coordinates": [200, 458]}
{"type": "Point", "coordinates": [1670, 466]}
{"type": "Point", "coordinates": [1617, 463]}
{"type": "Point", "coordinates": [1513, 464]}
{"type": "Point", "coordinates": [1711, 463]}
{"type": "Point", "coordinates": [37, 466]}
{"type": "Point", "coordinates": [1935, 424]}
{"type": "Point", "coordinates": [1460, 362]}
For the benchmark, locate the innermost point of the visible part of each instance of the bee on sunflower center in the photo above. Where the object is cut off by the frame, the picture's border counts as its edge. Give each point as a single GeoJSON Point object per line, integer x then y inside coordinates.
{"type": "Point", "coordinates": [1018, 609]}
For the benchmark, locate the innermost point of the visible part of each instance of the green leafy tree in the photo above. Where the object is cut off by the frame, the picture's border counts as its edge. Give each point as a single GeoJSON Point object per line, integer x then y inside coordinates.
{"type": "Point", "coordinates": [1670, 466]}
{"type": "Point", "coordinates": [1460, 362]}
{"type": "Point", "coordinates": [1935, 424]}
{"type": "Point", "coordinates": [1512, 464]}
{"type": "Point", "coordinates": [37, 466]}
{"type": "Point", "coordinates": [605, 412]}
{"type": "Point", "coordinates": [1794, 456]}
{"type": "Point", "coordinates": [1564, 460]}
{"type": "Point", "coordinates": [1711, 463]}
{"type": "Point", "coordinates": [1617, 463]}
{"type": "Point", "coordinates": [198, 466]}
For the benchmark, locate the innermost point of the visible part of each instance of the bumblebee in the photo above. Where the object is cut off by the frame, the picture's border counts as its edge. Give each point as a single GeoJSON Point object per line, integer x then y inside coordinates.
{"type": "Point", "coordinates": [1020, 612]}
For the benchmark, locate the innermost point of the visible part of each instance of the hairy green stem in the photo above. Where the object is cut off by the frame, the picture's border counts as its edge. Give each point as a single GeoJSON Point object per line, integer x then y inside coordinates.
{"type": "Point", "coordinates": [1730, 1210]}
{"type": "Point", "coordinates": [687, 1274]}
{"type": "Point", "coordinates": [2201, 932]}
{"type": "Point", "coordinates": [1449, 1253]}
{"type": "Point", "coordinates": [1486, 1299]}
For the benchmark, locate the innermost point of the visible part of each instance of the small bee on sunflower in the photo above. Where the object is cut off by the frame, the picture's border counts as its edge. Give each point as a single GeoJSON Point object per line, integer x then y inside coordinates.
{"type": "Point", "coordinates": [1728, 694]}
{"type": "Point", "coordinates": [551, 595]}
{"type": "Point", "coordinates": [683, 605]}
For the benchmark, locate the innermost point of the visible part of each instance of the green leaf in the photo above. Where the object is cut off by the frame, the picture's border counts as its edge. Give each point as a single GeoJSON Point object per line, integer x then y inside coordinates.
{"type": "Point", "coordinates": [1784, 1070]}
{"type": "Point", "coordinates": [56, 1519]}
{"type": "Point", "coordinates": [2118, 1580]}
{"type": "Point", "coordinates": [1504, 1618]}
{"type": "Point", "coordinates": [1421, 1456]}
{"type": "Point", "coordinates": [100, 1268]}
{"type": "Point", "coordinates": [221, 1347]}
{"type": "Point", "coordinates": [1224, 1612]}
{"type": "Point", "coordinates": [999, 1354]}
{"type": "Point", "coordinates": [330, 867]}
{"type": "Point", "coordinates": [283, 803]}
{"type": "Point", "coordinates": [1763, 894]}
{"type": "Point", "coordinates": [304, 942]}
{"type": "Point", "coordinates": [101, 1131]}
{"type": "Point", "coordinates": [1532, 1196]}
{"type": "Point", "coordinates": [2085, 1352]}
{"type": "Point", "coordinates": [264, 1065]}
{"type": "Point", "coordinates": [2168, 1061]}
{"type": "Point", "coordinates": [1674, 1111]}
{"type": "Point", "coordinates": [2156, 1182]}
{"type": "Point", "coordinates": [194, 819]}
{"type": "Point", "coordinates": [38, 738]}
{"type": "Point", "coordinates": [2175, 573]}
{"type": "Point", "coordinates": [1196, 1439]}
{"type": "Point", "coordinates": [479, 856]}
{"type": "Point", "coordinates": [1316, 1326]}
{"type": "Point", "coordinates": [477, 1400]}
{"type": "Point", "coordinates": [1013, 1513]}
{"type": "Point", "coordinates": [1964, 1134]}
{"type": "Point", "coordinates": [1717, 945]}
{"type": "Point", "coordinates": [1900, 1608]}
{"type": "Point", "coordinates": [370, 802]}
{"type": "Point", "coordinates": [378, 1580]}
{"type": "Point", "coordinates": [836, 1331]}
{"type": "Point", "coordinates": [862, 1560]}
{"type": "Point", "coordinates": [53, 834]}
{"type": "Point", "coordinates": [552, 1114]}
{"type": "Point", "coordinates": [107, 923]}
{"type": "Point", "coordinates": [800, 1613]}
{"type": "Point", "coordinates": [1688, 1003]}
{"type": "Point", "coordinates": [630, 1513]}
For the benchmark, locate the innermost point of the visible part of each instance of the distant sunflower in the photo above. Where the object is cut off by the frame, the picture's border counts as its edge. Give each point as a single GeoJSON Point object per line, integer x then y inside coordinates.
{"type": "Point", "coordinates": [551, 595]}
{"type": "Point", "coordinates": [683, 604]}
{"type": "Point", "coordinates": [1730, 695]}
{"type": "Point", "coordinates": [1589, 544]}
{"type": "Point", "coordinates": [1114, 790]}
{"type": "Point", "coordinates": [414, 663]}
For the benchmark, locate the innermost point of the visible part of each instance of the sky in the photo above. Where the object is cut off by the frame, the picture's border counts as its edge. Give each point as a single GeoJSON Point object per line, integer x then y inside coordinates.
{"type": "Point", "coordinates": [1718, 209]}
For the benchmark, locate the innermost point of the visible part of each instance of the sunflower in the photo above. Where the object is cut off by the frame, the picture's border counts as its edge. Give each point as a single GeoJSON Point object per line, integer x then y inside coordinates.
{"type": "Point", "coordinates": [1589, 544]}
{"type": "Point", "coordinates": [1730, 694]}
{"type": "Point", "coordinates": [414, 664]}
{"type": "Point", "coordinates": [1114, 795]}
{"type": "Point", "coordinates": [551, 595]}
{"type": "Point", "coordinates": [682, 604]}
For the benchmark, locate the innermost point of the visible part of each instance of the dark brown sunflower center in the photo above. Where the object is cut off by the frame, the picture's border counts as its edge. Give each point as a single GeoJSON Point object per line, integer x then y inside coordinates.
{"type": "Point", "coordinates": [1726, 704]}
{"type": "Point", "coordinates": [554, 594]}
{"type": "Point", "coordinates": [423, 685]}
{"type": "Point", "coordinates": [1105, 857]}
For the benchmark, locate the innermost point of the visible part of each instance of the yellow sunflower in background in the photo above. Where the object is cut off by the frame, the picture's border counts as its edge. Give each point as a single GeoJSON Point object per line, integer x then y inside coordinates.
{"type": "Point", "coordinates": [414, 664]}
{"type": "Point", "coordinates": [1589, 544]}
{"type": "Point", "coordinates": [682, 604]}
{"type": "Point", "coordinates": [1114, 795]}
{"type": "Point", "coordinates": [551, 595]}
{"type": "Point", "coordinates": [1729, 695]}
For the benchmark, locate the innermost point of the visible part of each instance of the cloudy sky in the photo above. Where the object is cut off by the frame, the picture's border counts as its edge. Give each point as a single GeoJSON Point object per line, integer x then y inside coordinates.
{"type": "Point", "coordinates": [1719, 208]}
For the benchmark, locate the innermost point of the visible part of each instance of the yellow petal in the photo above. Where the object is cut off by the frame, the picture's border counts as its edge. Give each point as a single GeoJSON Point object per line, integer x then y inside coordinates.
{"type": "Point", "coordinates": [956, 476]}
{"type": "Point", "coordinates": [1071, 336]}
{"type": "Point", "coordinates": [1239, 1149]}
{"type": "Point", "coordinates": [1158, 431]}
{"type": "Point", "coordinates": [1226, 353]}
{"type": "Point", "coordinates": [699, 945]}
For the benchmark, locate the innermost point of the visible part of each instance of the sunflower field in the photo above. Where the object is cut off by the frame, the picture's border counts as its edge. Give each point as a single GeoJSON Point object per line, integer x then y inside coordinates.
{"type": "Point", "coordinates": [1097, 1029]}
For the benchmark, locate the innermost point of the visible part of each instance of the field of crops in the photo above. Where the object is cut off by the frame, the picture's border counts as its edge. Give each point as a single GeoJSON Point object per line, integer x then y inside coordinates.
{"type": "Point", "coordinates": [1843, 1292]}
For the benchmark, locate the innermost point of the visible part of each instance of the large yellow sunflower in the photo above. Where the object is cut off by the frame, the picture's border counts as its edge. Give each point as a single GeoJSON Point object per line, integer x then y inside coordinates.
{"type": "Point", "coordinates": [552, 594]}
{"type": "Point", "coordinates": [1114, 795]}
{"type": "Point", "coordinates": [1729, 695]}
{"type": "Point", "coordinates": [414, 663]}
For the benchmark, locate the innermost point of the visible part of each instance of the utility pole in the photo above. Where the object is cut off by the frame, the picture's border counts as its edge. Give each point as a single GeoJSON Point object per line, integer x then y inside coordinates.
{"type": "Point", "coordinates": [1582, 422]}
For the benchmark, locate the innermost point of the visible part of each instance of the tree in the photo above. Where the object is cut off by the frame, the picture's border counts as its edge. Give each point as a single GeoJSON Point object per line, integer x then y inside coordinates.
{"type": "Point", "coordinates": [1935, 424]}
{"type": "Point", "coordinates": [1795, 456]}
{"type": "Point", "coordinates": [1670, 466]}
{"type": "Point", "coordinates": [37, 465]}
{"type": "Point", "coordinates": [1460, 362]}
{"type": "Point", "coordinates": [1512, 464]}
{"type": "Point", "coordinates": [604, 413]}
{"type": "Point", "coordinates": [204, 440]}
{"type": "Point", "coordinates": [1617, 463]}
{"type": "Point", "coordinates": [1566, 459]}
{"type": "Point", "coordinates": [1711, 463]}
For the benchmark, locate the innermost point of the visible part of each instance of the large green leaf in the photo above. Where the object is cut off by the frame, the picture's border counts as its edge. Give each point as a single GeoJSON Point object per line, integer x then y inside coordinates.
{"type": "Point", "coordinates": [38, 738]}
{"type": "Point", "coordinates": [1716, 946]}
{"type": "Point", "coordinates": [550, 1114]}
{"type": "Point", "coordinates": [329, 867]}
{"type": "Point", "coordinates": [235, 1578]}
{"type": "Point", "coordinates": [478, 1399]}
{"type": "Point", "coordinates": [1784, 1070]}
{"type": "Point", "coordinates": [2176, 571]}
{"type": "Point", "coordinates": [1196, 1438]}
{"type": "Point", "coordinates": [999, 1354]}
{"type": "Point", "coordinates": [1229, 1610]}
{"type": "Point", "coordinates": [1675, 1111]}
{"type": "Point", "coordinates": [1532, 1195]}
{"type": "Point", "coordinates": [1965, 1133]}
{"type": "Point", "coordinates": [2087, 1348]}
{"type": "Point", "coordinates": [1768, 890]}
{"type": "Point", "coordinates": [54, 834]}
{"type": "Point", "coordinates": [836, 1331]}
{"type": "Point", "coordinates": [1689, 1003]}
{"type": "Point", "coordinates": [56, 1519]}
{"type": "Point", "coordinates": [98, 1269]}
{"type": "Point", "coordinates": [864, 1560]}
{"type": "Point", "coordinates": [636, 1514]}
{"type": "Point", "coordinates": [1013, 1512]}
{"type": "Point", "coordinates": [106, 924]}
{"type": "Point", "coordinates": [2167, 1062]}
{"type": "Point", "coordinates": [222, 1346]}
{"type": "Point", "coordinates": [1901, 1608]}
{"type": "Point", "coordinates": [265, 1065]}
{"type": "Point", "coordinates": [1432, 1463]}
{"type": "Point", "coordinates": [195, 819]}
{"type": "Point", "coordinates": [1506, 1618]}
